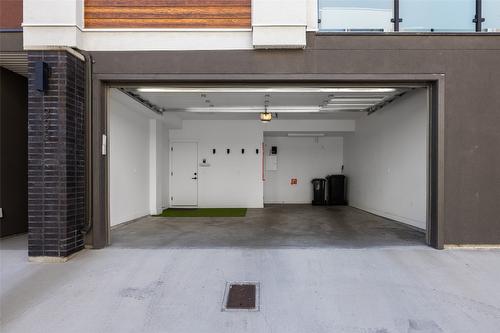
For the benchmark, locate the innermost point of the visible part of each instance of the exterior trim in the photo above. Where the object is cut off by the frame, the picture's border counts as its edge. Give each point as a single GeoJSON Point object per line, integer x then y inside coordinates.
{"type": "Point", "coordinates": [436, 211]}
{"type": "Point", "coordinates": [36, 25]}
{"type": "Point", "coordinates": [45, 25]}
{"type": "Point", "coordinates": [99, 196]}
{"type": "Point", "coordinates": [120, 79]}
{"type": "Point", "coordinates": [164, 29]}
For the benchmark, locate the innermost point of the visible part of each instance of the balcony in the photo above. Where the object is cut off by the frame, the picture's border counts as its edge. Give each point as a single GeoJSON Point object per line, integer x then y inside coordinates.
{"type": "Point", "coordinates": [379, 16]}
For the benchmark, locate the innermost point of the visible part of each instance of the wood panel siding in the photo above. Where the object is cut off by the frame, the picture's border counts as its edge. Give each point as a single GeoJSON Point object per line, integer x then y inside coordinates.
{"type": "Point", "coordinates": [11, 14]}
{"type": "Point", "coordinates": [167, 14]}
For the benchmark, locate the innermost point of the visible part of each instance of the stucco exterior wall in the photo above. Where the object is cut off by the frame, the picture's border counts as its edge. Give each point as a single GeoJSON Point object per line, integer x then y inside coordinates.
{"type": "Point", "coordinates": [468, 63]}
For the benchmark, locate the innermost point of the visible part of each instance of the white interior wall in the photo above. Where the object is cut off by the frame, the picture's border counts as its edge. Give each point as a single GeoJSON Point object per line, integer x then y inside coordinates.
{"type": "Point", "coordinates": [311, 125]}
{"type": "Point", "coordinates": [166, 167]}
{"type": "Point", "coordinates": [128, 162]}
{"type": "Point", "coordinates": [156, 166]}
{"type": "Point", "coordinates": [386, 160]}
{"type": "Point", "coordinates": [304, 158]}
{"type": "Point", "coordinates": [235, 180]}
{"type": "Point", "coordinates": [231, 180]}
{"type": "Point", "coordinates": [138, 160]}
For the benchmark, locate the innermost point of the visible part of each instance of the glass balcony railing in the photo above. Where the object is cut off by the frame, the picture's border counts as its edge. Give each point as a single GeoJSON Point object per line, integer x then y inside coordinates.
{"type": "Point", "coordinates": [409, 15]}
{"type": "Point", "coordinates": [437, 15]}
{"type": "Point", "coordinates": [491, 14]}
{"type": "Point", "coordinates": [356, 15]}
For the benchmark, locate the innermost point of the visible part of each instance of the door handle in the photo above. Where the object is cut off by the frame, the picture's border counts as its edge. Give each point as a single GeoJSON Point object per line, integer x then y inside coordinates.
{"type": "Point", "coordinates": [194, 178]}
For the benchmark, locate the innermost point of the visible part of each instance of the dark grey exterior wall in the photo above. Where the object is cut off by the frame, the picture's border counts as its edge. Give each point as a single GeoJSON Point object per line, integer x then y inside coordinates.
{"type": "Point", "coordinates": [56, 156]}
{"type": "Point", "coordinates": [13, 152]}
{"type": "Point", "coordinates": [471, 68]}
{"type": "Point", "coordinates": [11, 41]}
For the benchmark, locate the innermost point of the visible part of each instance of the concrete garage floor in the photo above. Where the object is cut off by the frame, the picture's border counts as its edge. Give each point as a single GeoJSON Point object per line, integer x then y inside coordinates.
{"type": "Point", "coordinates": [371, 290]}
{"type": "Point", "coordinates": [275, 226]}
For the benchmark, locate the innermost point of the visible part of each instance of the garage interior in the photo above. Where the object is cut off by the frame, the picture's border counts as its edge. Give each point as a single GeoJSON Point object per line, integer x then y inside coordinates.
{"type": "Point", "coordinates": [259, 147]}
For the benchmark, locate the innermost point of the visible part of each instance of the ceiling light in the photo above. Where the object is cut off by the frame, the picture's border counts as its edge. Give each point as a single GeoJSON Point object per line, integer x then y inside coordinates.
{"type": "Point", "coordinates": [361, 90]}
{"type": "Point", "coordinates": [344, 106]}
{"type": "Point", "coordinates": [256, 109]}
{"type": "Point", "coordinates": [266, 117]}
{"type": "Point", "coordinates": [263, 90]}
{"type": "Point", "coordinates": [306, 134]}
{"type": "Point", "coordinates": [345, 109]}
{"type": "Point", "coordinates": [354, 99]}
{"type": "Point", "coordinates": [322, 109]}
{"type": "Point", "coordinates": [333, 106]}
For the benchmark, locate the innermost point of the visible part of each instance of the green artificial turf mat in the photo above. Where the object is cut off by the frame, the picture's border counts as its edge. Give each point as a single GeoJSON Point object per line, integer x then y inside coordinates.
{"type": "Point", "coordinates": [204, 212]}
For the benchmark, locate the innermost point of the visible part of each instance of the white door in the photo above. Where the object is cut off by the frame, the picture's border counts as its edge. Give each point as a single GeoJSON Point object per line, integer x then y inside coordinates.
{"type": "Point", "coordinates": [184, 173]}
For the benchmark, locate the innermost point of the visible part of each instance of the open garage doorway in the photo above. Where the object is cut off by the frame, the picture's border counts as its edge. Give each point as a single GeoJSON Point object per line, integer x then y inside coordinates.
{"type": "Point", "coordinates": [185, 161]}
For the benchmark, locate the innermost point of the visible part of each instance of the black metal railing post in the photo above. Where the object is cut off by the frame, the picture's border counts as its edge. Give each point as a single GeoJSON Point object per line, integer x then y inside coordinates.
{"type": "Point", "coordinates": [478, 19]}
{"type": "Point", "coordinates": [396, 20]}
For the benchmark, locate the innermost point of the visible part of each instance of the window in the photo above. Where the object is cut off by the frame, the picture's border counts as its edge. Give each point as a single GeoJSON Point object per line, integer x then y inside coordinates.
{"type": "Point", "coordinates": [437, 15]}
{"type": "Point", "coordinates": [491, 14]}
{"type": "Point", "coordinates": [356, 15]}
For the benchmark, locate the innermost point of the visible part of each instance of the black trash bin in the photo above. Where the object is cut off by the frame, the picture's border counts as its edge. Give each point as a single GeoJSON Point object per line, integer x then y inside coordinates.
{"type": "Point", "coordinates": [337, 185]}
{"type": "Point", "coordinates": [319, 185]}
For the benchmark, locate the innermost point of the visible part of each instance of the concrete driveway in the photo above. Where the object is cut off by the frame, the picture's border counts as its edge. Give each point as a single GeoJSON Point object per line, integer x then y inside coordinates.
{"type": "Point", "coordinates": [377, 289]}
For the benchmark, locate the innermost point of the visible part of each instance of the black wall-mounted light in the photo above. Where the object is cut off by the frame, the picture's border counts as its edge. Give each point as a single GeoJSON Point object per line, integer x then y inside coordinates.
{"type": "Point", "coordinates": [41, 76]}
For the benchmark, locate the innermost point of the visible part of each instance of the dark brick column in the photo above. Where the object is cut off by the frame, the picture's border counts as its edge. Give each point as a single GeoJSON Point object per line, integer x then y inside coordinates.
{"type": "Point", "coordinates": [56, 156]}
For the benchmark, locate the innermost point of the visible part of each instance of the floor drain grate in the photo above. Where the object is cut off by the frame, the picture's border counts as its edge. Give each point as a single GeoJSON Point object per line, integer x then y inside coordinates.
{"type": "Point", "coordinates": [241, 296]}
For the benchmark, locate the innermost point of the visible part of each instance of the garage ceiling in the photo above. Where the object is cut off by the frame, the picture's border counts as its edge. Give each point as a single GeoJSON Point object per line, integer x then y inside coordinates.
{"type": "Point", "coordinates": [246, 102]}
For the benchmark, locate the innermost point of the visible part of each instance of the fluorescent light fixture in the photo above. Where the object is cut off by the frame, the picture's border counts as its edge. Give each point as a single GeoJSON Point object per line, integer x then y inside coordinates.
{"type": "Point", "coordinates": [343, 110]}
{"type": "Point", "coordinates": [263, 90]}
{"type": "Point", "coordinates": [343, 104]}
{"type": "Point", "coordinates": [306, 134]}
{"type": "Point", "coordinates": [228, 90]}
{"type": "Point", "coordinates": [346, 107]}
{"type": "Point", "coordinates": [362, 90]}
{"type": "Point", "coordinates": [355, 100]}
{"type": "Point", "coordinates": [253, 109]}
{"type": "Point", "coordinates": [343, 107]}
